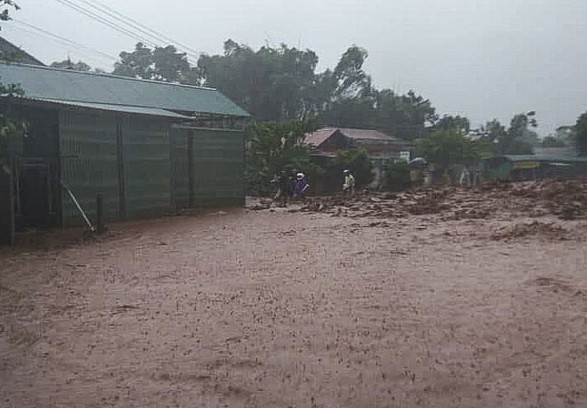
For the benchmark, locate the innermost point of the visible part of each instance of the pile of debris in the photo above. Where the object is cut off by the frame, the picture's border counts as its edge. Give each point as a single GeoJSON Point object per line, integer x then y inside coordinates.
{"type": "Point", "coordinates": [563, 198]}
{"type": "Point", "coordinates": [566, 199]}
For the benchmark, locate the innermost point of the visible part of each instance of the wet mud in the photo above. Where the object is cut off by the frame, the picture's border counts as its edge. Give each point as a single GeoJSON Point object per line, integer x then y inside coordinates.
{"type": "Point", "coordinates": [449, 298]}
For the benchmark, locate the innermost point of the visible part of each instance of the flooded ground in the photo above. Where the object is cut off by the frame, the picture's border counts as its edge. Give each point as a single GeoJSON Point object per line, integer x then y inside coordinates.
{"type": "Point", "coordinates": [338, 305]}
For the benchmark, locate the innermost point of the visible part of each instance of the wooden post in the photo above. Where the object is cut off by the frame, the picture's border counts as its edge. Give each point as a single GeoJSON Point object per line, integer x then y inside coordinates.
{"type": "Point", "coordinates": [191, 170]}
{"type": "Point", "coordinates": [11, 181]}
{"type": "Point", "coordinates": [120, 169]}
{"type": "Point", "coordinates": [99, 213]}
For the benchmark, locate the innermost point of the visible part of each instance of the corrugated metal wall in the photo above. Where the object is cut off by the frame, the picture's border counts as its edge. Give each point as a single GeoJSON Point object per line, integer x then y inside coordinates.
{"type": "Point", "coordinates": [6, 209]}
{"type": "Point", "coordinates": [157, 169]}
{"type": "Point", "coordinates": [180, 176]}
{"type": "Point", "coordinates": [88, 164]}
{"type": "Point", "coordinates": [218, 167]}
{"type": "Point", "coordinates": [147, 167]}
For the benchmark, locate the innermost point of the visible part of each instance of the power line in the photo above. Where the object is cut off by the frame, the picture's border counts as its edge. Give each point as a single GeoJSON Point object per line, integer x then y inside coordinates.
{"type": "Point", "coordinates": [140, 27]}
{"type": "Point", "coordinates": [129, 32]}
{"type": "Point", "coordinates": [102, 20]}
{"type": "Point", "coordinates": [61, 39]}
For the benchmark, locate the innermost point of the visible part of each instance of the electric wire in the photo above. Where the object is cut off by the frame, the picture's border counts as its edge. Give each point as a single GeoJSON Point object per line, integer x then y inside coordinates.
{"type": "Point", "coordinates": [63, 40]}
{"type": "Point", "coordinates": [124, 30]}
{"type": "Point", "coordinates": [158, 36]}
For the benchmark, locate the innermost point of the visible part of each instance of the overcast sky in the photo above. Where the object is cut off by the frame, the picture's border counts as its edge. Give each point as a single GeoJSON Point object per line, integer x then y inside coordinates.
{"type": "Point", "coordinates": [483, 59]}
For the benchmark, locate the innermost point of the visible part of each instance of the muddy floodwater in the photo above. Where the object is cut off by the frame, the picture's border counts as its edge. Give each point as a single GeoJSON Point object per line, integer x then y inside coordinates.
{"type": "Point", "coordinates": [274, 308]}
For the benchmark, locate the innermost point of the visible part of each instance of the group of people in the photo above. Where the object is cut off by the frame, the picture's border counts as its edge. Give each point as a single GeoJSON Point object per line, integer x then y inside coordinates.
{"type": "Point", "coordinates": [292, 186]}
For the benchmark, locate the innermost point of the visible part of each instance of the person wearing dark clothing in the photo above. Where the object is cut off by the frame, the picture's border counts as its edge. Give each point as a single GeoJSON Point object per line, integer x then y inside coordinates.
{"type": "Point", "coordinates": [283, 188]}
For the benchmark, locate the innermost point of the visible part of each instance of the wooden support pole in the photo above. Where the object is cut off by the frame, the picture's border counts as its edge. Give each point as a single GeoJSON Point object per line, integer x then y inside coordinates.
{"type": "Point", "coordinates": [99, 213]}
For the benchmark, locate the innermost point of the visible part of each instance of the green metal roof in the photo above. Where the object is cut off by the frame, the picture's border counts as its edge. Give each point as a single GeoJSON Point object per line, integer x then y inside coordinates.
{"type": "Point", "coordinates": [540, 158]}
{"type": "Point", "coordinates": [46, 83]}
{"type": "Point", "coordinates": [138, 110]}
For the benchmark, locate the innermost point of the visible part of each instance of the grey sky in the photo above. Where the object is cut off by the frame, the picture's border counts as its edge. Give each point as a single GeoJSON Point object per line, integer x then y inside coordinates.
{"type": "Point", "coordinates": [480, 58]}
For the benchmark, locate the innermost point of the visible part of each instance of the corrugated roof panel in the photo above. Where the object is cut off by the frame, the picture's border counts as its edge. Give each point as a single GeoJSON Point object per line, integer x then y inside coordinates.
{"type": "Point", "coordinates": [529, 157]}
{"type": "Point", "coordinates": [318, 137]}
{"type": "Point", "coordinates": [366, 134]}
{"type": "Point", "coordinates": [74, 86]}
{"type": "Point", "coordinates": [321, 135]}
{"type": "Point", "coordinates": [138, 110]}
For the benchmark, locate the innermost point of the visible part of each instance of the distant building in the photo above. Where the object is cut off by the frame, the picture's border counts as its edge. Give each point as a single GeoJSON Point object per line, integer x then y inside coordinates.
{"type": "Point", "coordinates": [378, 145]}
{"type": "Point", "coordinates": [533, 167]}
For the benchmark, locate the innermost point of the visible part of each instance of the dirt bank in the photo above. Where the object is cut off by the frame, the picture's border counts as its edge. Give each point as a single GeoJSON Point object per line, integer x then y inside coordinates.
{"type": "Point", "coordinates": [305, 309]}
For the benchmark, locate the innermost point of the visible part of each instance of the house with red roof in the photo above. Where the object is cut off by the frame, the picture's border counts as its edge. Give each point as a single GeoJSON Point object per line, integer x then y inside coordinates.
{"type": "Point", "coordinates": [380, 146]}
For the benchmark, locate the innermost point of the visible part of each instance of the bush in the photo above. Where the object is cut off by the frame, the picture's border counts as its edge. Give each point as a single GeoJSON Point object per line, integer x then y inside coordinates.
{"type": "Point", "coordinates": [272, 147]}
{"type": "Point", "coordinates": [398, 176]}
{"type": "Point", "coordinates": [551, 141]}
{"type": "Point", "coordinates": [359, 164]}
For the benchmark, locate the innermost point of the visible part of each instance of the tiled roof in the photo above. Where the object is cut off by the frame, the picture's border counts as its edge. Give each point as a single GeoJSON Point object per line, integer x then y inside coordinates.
{"type": "Point", "coordinates": [321, 135]}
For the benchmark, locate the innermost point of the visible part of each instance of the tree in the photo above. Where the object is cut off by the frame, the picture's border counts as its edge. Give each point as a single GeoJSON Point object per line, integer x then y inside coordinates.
{"type": "Point", "coordinates": [169, 65]}
{"type": "Point", "coordinates": [350, 100]}
{"type": "Point", "coordinates": [136, 64]}
{"type": "Point", "coordinates": [275, 146]}
{"type": "Point", "coordinates": [581, 135]}
{"type": "Point", "coordinates": [164, 64]}
{"type": "Point", "coordinates": [553, 141]}
{"type": "Point", "coordinates": [566, 134]}
{"type": "Point", "coordinates": [446, 147]}
{"type": "Point", "coordinates": [348, 96]}
{"type": "Point", "coordinates": [5, 7]}
{"type": "Point", "coordinates": [68, 64]}
{"type": "Point", "coordinates": [271, 83]}
{"type": "Point", "coordinates": [10, 129]}
{"type": "Point", "coordinates": [517, 139]}
{"type": "Point", "coordinates": [358, 162]}
{"type": "Point", "coordinates": [458, 123]}
{"type": "Point", "coordinates": [351, 79]}
{"type": "Point", "coordinates": [493, 131]}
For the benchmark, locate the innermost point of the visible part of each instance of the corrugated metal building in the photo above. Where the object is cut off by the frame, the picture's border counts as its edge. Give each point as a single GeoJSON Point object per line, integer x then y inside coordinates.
{"type": "Point", "coordinates": [533, 167]}
{"type": "Point", "coordinates": [150, 148]}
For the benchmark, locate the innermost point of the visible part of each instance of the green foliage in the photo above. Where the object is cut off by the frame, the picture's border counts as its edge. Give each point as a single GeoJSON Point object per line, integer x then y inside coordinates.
{"type": "Point", "coordinates": [5, 7]}
{"type": "Point", "coordinates": [10, 129]}
{"type": "Point", "coordinates": [281, 83]}
{"type": "Point", "coordinates": [458, 123]}
{"type": "Point", "coordinates": [275, 146]}
{"type": "Point", "coordinates": [68, 64]}
{"type": "Point", "coordinates": [358, 162]}
{"type": "Point", "coordinates": [448, 147]}
{"type": "Point", "coordinates": [552, 141]}
{"type": "Point", "coordinates": [581, 134]}
{"type": "Point", "coordinates": [517, 139]}
{"type": "Point", "coordinates": [160, 64]}
{"type": "Point", "coordinates": [350, 79]}
{"type": "Point", "coordinates": [273, 84]}
{"type": "Point", "coordinates": [398, 176]}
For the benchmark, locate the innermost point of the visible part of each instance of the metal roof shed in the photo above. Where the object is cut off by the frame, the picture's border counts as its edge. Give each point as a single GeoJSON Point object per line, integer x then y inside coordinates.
{"type": "Point", "coordinates": [148, 147]}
